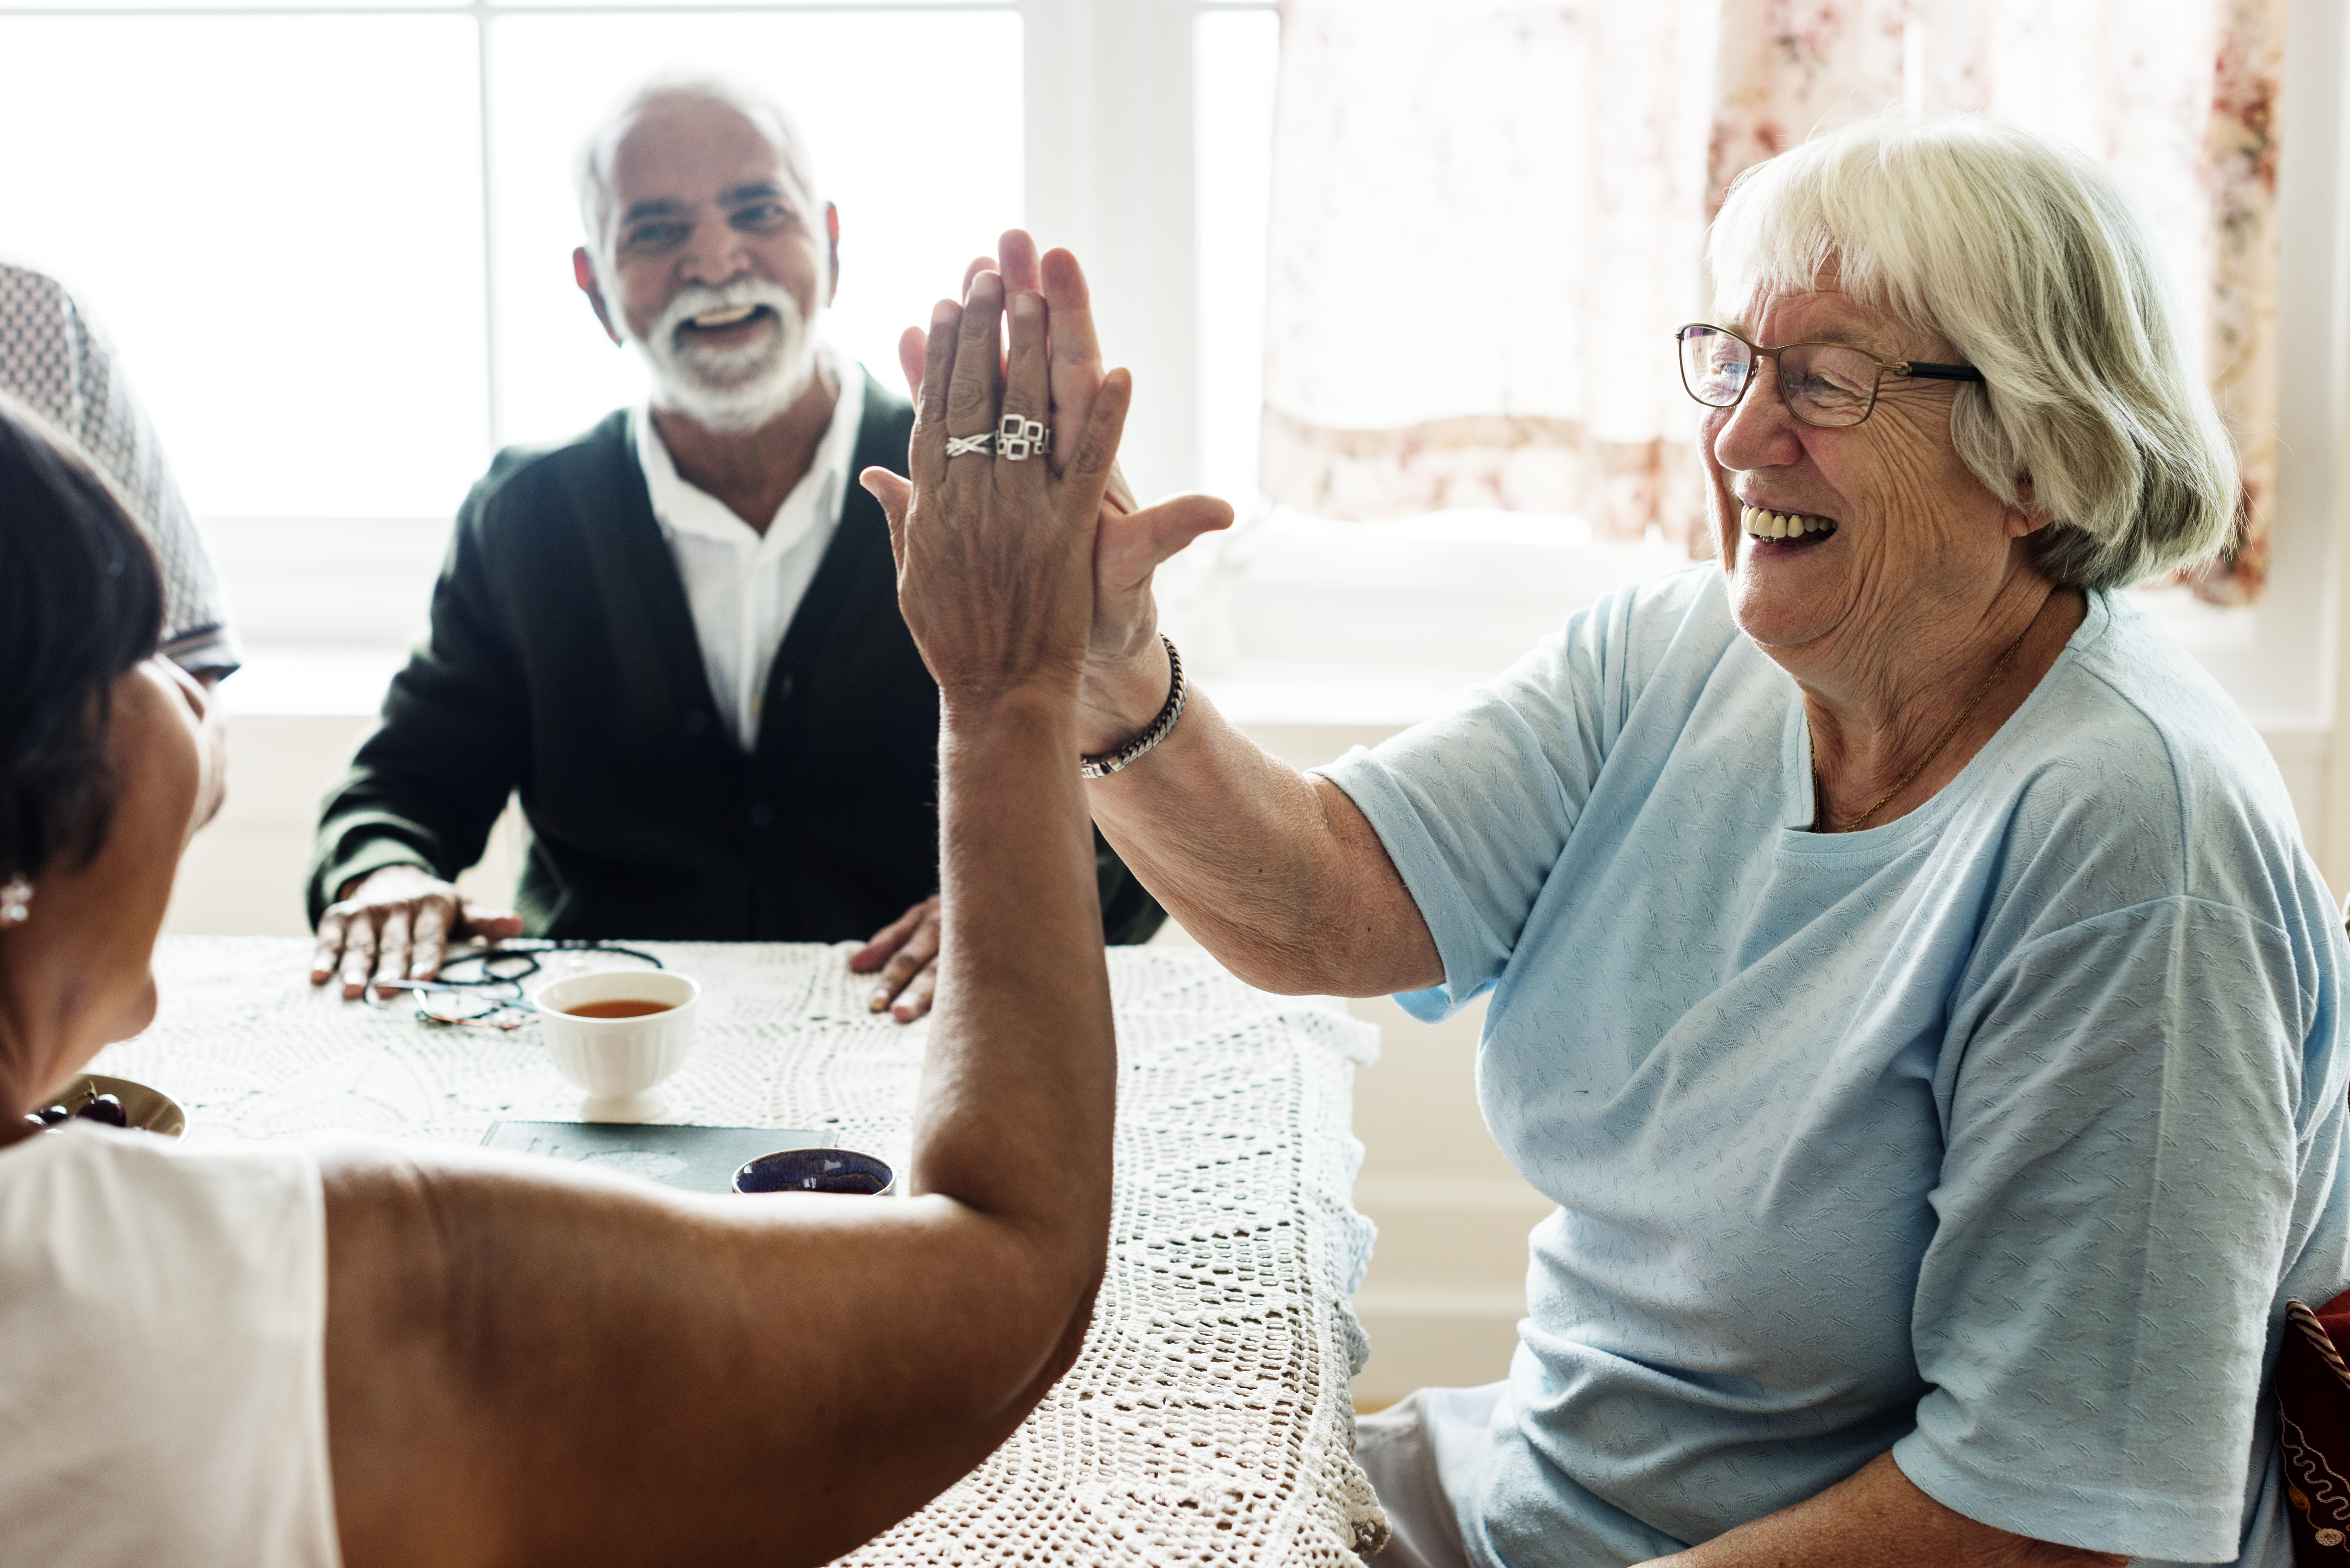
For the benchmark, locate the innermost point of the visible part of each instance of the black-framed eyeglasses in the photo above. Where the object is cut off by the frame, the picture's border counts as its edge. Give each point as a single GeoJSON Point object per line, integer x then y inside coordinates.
{"type": "Point", "coordinates": [1826, 384]}
{"type": "Point", "coordinates": [485, 988]}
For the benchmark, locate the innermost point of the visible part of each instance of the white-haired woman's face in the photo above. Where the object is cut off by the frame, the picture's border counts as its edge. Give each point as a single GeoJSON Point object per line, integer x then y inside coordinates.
{"type": "Point", "coordinates": [1852, 542]}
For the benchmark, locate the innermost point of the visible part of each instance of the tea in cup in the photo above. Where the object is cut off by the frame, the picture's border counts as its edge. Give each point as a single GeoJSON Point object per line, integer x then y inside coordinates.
{"type": "Point", "coordinates": [618, 1035]}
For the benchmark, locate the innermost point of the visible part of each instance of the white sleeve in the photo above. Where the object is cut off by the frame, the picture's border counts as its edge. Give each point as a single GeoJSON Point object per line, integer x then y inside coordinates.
{"type": "Point", "coordinates": [163, 1328]}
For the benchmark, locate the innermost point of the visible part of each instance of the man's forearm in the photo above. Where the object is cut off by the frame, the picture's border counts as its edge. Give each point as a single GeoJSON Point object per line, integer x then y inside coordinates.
{"type": "Point", "coordinates": [1274, 873]}
{"type": "Point", "coordinates": [418, 794]}
{"type": "Point", "coordinates": [1877, 1518]}
{"type": "Point", "coordinates": [351, 847]}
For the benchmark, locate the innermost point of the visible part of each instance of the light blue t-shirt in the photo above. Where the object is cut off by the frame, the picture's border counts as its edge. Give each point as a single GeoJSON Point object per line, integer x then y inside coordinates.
{"type": "Point", "coordinates": [1996, 1136]}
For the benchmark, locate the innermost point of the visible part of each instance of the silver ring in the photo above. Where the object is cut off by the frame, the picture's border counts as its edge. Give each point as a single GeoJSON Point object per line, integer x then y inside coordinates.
{"type": "Point", "coordinates": [963, 446]}
{"type": "Point", "coordinates": [1015, 438]}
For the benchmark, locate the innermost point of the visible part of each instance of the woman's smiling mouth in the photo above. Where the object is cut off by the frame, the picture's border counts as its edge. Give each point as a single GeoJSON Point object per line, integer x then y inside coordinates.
{"type": "Point", "coordinates": [1794, 530]}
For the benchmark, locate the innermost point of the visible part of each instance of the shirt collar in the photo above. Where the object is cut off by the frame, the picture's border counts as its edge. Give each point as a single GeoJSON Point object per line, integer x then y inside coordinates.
{"type": "Point", "coordinates": [682, 507]}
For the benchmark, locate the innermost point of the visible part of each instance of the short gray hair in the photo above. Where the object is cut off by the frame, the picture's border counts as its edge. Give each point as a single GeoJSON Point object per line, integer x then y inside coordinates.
{"type": "Point", "coordinates": [2026, 258]}
{"type": "Point", "coordinates": [589, 170]}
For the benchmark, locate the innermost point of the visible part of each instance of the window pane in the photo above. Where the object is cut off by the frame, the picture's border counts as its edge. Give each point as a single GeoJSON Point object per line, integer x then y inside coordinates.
{"type": "Point", "coordinates": [277, 219]}
{"type": "Point", "coordinates": [921, 189]}
{"type": "Point", "coordinates": [764, 5]}
{"type": "Point", "coordinates": [8, 6]}
{"type": "Point", "coordinates": [1238, 57]}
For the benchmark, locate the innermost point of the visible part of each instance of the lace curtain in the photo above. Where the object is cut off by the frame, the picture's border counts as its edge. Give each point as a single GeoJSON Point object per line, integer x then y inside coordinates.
{"type": "Point", "coordinates": [1488, 215]}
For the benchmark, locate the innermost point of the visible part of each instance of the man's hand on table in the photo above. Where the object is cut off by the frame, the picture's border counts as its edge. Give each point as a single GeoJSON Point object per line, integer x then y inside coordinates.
{"type": "Point", "coordinates": [396, 923]}
{"type": "Point", "coordinates": [910, 977]}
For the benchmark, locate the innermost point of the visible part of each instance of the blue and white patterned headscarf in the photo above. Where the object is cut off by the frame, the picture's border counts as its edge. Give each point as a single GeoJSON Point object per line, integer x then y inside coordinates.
{"type": "Point", "coordinates": [54, 360]}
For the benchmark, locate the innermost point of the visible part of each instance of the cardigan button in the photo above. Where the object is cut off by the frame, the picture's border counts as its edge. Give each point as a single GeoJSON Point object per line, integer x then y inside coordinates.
{"type": "Point", "coordinates": [697, 722]}
{"type": "Point", "coordinates": [763, 816]}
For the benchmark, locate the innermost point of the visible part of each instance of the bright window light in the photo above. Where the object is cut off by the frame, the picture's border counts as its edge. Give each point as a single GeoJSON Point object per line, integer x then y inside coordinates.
{"type": "Point", "coordinates": [277, 220]}
{"type": "Point", "coordinates": [226, 5]}
{"type": "Point", "coordinates": [1236, 60]}
{"type": "Point", "coordinates": [705, 5]}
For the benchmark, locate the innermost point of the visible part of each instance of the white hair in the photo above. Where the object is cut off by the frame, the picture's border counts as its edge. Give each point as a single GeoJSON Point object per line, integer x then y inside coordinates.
{"type": "Point", "coordinates": [2023, 255]}
{"type": "Point", "coordinates": [591, 170]}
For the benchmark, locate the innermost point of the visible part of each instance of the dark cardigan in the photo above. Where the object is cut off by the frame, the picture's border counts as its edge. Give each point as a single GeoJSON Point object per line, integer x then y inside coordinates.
{"type": "Point", "coordinates": [563, 664]}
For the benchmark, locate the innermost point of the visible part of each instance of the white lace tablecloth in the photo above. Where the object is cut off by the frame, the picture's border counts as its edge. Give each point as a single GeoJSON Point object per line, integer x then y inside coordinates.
{"type": "Point", "coordinates": [1209, 1420]}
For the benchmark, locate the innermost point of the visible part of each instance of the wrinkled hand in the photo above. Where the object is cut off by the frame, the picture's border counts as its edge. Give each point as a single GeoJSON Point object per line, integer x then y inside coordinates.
{"type": "Point", "coordinates": [910, 944]}
{"type": "Point", "coordinates": [1125, 672]}
{"type": "Point", "coordinates": [397, 923]}
{"type": "Point", "coordinates": [995, 557]}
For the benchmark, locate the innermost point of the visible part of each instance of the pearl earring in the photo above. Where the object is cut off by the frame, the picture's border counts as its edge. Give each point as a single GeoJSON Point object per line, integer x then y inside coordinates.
{"type": "Point", "coordinates": [15, 902]}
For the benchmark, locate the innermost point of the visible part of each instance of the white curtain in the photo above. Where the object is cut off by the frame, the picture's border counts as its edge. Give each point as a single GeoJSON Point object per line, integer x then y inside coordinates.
{"type": "Point", "coordinates": [1487, 217]}
{"type": "Point", "coordinates": [1486, 220]}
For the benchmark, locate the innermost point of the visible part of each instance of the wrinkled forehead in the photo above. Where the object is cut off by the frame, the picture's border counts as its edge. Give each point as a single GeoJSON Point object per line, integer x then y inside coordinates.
{"type": "Point", "coordinates": [687, 150]}
{"type": "Point", "coordinates": [1773, 257]}
{"type": "Point", "coordinates": [1819, 307]}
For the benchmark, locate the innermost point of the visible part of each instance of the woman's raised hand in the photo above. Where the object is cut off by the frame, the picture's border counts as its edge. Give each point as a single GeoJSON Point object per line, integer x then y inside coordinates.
{"type": "Point", "coordinates": [994, 549]}
{"type": "Point", "coordinates": [1125, 669]}
{"type": "Point", "coordinates": [1074, 353]}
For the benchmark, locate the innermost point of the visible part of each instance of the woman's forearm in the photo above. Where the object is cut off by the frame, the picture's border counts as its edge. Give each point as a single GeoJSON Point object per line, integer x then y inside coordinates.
{"type": "Point", "coordinates": [1877, 1518]}
{"type": "Point", "coordinates": [1020, 1080]}
{"type": "Point", "coordinates": [1274, 872]}
{"type": "Point", "coordinates": [527, 1360]}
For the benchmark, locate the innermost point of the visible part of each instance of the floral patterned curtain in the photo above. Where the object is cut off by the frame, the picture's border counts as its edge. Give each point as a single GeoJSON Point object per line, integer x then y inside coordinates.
{"type": "Point", "coordinates": [1489, 214]}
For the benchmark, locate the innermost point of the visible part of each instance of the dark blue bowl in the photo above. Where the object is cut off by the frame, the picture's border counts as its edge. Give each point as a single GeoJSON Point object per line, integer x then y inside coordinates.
{"type": "Point", "coordinates": [815, 1170]}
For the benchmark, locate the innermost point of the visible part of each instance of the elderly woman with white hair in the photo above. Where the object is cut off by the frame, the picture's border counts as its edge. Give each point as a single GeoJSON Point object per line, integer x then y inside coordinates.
{"type": "Point", "coordinates": [1906, 973]}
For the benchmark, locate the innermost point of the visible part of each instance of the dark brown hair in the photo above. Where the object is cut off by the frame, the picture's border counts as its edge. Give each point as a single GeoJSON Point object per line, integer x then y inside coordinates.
{"type": "Point", "coordinates": [80, 603]}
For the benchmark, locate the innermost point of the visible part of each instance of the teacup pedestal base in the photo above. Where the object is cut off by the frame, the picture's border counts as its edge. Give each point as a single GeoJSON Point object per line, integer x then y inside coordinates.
{"type": "Point", "coordinates": [645, 1107]}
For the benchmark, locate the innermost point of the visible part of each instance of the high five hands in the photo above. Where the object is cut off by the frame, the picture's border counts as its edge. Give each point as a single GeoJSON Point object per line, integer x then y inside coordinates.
{"type": "Point", "coordinates": [995, 550]}
{"type": "Point", "coordinates": [964, 363]}
{"type": "Point", "coordinates": [1125, 669]}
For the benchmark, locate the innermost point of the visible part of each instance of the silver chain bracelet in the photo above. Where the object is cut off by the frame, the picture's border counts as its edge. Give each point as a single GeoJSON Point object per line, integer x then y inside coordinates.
{"type": "Point", "coordinates": [1161, 728]}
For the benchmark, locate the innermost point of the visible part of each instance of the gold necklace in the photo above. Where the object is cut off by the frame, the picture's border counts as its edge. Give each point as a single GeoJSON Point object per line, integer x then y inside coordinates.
{"type": "Point", "coordinates": [1819, 791]}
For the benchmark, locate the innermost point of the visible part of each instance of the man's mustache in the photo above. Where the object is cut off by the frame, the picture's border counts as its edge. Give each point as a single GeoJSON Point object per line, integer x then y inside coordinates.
{"type": "Point", "coordinates": [701, 299]}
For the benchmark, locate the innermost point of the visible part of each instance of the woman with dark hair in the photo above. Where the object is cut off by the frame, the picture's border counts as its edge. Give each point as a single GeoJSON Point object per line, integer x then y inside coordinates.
{"type": "Point", "coordinates": [275, 1355]}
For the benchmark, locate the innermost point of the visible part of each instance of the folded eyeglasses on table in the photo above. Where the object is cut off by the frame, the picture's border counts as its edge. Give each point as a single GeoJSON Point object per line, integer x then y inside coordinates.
{"type": "Point", "coordinates": [485, 988]}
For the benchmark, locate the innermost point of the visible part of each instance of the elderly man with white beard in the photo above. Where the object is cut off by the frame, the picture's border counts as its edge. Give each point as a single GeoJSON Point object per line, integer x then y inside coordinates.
{"type": "Point", "coordinates": [676, 636]}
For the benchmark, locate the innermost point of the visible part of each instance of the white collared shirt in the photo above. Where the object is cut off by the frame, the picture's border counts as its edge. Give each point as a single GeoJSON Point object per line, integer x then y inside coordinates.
{"type": "Point", "coordinates": [743, 586]}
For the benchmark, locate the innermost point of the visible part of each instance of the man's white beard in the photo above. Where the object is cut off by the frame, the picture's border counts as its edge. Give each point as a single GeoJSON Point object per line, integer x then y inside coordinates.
{"type": "Point", "coordinates": [731, 390]}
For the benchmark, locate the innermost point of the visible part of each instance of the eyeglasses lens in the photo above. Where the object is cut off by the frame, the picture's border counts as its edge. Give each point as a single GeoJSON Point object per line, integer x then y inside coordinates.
{"type": "Point", "coordinates": [1824, 384]}
{"type": "Point", "coordinates": [1715, 366]}
{"type": "Point", "coordinates": [459, 1007]}
{"type": "Point", "coordinates": [1827, 385]}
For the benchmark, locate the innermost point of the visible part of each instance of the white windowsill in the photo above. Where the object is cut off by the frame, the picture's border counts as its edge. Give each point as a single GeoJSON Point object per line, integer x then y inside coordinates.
{"type": "Point", "coordinates": [313, 680]}
{"type": "Point", "coordinates": [1286, 620]}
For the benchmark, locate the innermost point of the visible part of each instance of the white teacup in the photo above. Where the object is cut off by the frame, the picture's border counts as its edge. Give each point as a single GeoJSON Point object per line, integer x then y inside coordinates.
{"type": "Point", "coordinates": [618, 1061]}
